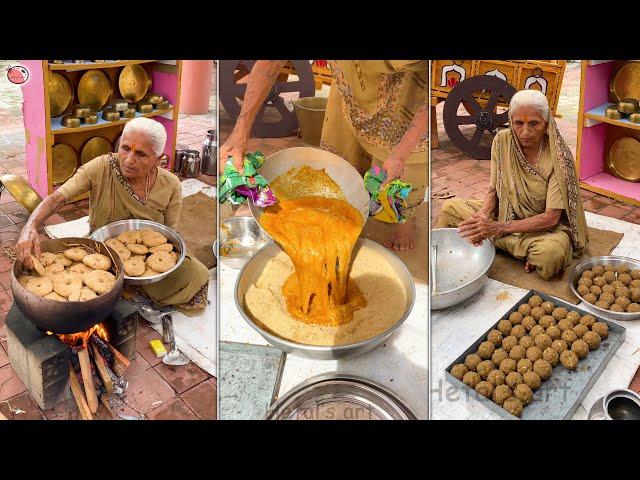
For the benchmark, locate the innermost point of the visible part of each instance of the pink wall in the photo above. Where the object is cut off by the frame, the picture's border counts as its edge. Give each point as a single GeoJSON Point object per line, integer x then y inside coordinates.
{"type": "Point", "coordinates": [166, 84]}
{"type": "Point", "coordinates": [597, 85]}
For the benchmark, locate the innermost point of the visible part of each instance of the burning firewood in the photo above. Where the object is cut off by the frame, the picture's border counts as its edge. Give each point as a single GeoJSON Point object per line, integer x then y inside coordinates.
{"type": "Point", "coordinates": [81, 401]}
{"type": "Point", "coordinates": [87, 379]}
{"type": "Point", "coordinates": [116, 360]}
{"type": "Point", "coordinates": [102, 370]}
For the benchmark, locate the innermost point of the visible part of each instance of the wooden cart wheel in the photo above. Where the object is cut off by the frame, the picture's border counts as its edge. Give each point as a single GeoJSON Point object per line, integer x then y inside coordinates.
{"type": "Point", "coordinates": [483, 117]}
{"type": "Point", "coordinates": [233, 86]}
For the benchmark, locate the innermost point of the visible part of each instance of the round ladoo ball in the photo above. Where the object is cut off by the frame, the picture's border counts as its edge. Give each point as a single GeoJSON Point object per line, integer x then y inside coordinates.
{"type": "Point", "coordinates": [590, 298]}
{"type": "Point", "coordinates": [601, 329]}
{"type": "Point", "coordinates": [622, 269]}
{"type": "Point", "coordinates": [514, 406]}
{"type": "Point", "coordinates": [565, 324]}
{"type": "Point", "coordinates": [459, 371]}
{"type": "Point", "coordinates": [546, 321]}
{"type": "Point", "coordinates": [610, 276]}
{"type": "Point", "coordinates": [622, 292]}
{"type": "Point", "coordinates": [635, 283]}
{"type": "Point", "coordinates": [537, 330]}
{"type": "Point", "coordinates": [592, 339]}
{"type": "Point", "coordinates": [554, 332]}
{"type": "Point", "coordinates": [509, 342]}
{"type": "Point", "coordinates": [582, 290]}
{"type": "Point", "coordinates": [536, 300]}
{"type": "Point", "coordinates": [495, 337]}
{"type": "Point", "coordinates": [505, 327]}
{"type": "Point", "coordinates": [534, 353]}
{"type": "Point", "coordinates": [496, 377]}
{"type": "Point", "coordinates": [625, 278]}
{"type": "Point", "coordinates": [499, 355]}
{"type": "Point", "coordinates": [518, 331]}
{"type": "Point", "coordinates": [551, 356]}
{"type": "Point", "coordinates": [524, 365]}
{"type": "Point", "coordinates": [485, 389]}
{"type": "Point", "coordinates": [598, 270]}
{"type": "Point", "coordinates": [580, 348]}
{"type": "Point", "coordinates": [516, 317]}
{"type": "Point", "coordinates": [548, 307]}
{"type": "Point", "coordinates": [560, 346]}
{"type": "Point", "coordinates": [526, 341]}
{"type": "Point", "coordinates": [513, 379]}
{"type": "Point", "coordinates": [485, 350]}
{"type": "Point", "coordinates": [617, 284]}
{"type": "Point", "coordinates": [624, 302]}
{"type": "Point", "coordinates": [599, 281]}
{"type": "Point", "coordinates": [615, 308]}
{"type": "Point", "coordinates": [587, 282]}
{"type": "Point", "coordinates": [596, 290]}
{"type": "Point", "coordinates": [608, 298]}
{"type": "Point", "coordinates": [509, 365]}
{"type": "Point", "coordinates": [528, 323]}
{"type": "Point", "coordinates": [518, 352]}
{"type": "Point", "coordinates": [532, 380]}
{"type": "Point", "coordinates": [471, 361]}
{"type": "Point", "coordinates": [484, 368]}
{"type": "Point", "coordinates": [542, 368]}
{"type": "Point", "coordinates": [587, 320]}
{"type": "Point", "coordinates": [524, 310]}
{"type": "Point", "coordinates": [633, 308]}
{"type": "Point", "coordinates": [609, 268]}
{"type": "Point", "coordinates": [570, 336]}
{"type": "Point", "coordinates": [580, 330]}
{"type": "Point", "coordinates": [501, 393]}
{"type": "Point", "coordinates": [543, 341]}
{"type": "Point", "coordinates": [537, 313]}
{"type": "Point", "coordinates": [608, 289]}
{"type": "Point", "coordinates": [635, 273]}
{"type": "Point", "coordinates": [588, 274]}
{"type": "Point", "coordinates": [471, 379]}
{"type": "Point", "coordinates": [559, 313]}
{"type": "Point", "coordinates": [603, 305]}
{"type": "Point", "coordinates": [569, 360]}
{"type": "Point", "coordinates": [634, 294]}
{"type": "Point", "coordinates": [523, 393]}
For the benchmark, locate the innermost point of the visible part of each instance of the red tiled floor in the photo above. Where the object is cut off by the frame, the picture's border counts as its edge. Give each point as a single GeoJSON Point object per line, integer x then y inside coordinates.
{"type": "Point", "coordinates": [183, 377]}
{"type": "Point", "coordinates": [10, 384]}
{"type": "Point", "coordinates": [144, 349]}
{"type": "Point", "coordinates": [5, 279]}
{"type": "Point", "coordinates": [66, 410]}
{"type": "Point", "coordinates": [146, 389]}
{"type": "Point", "coordinates": [25, 403]}
{"type": "Point", "coordinates": [173, 410]}
{"type": "Point", "coordinates": [144, 328]}
{"type": "Point", "coordinates": [201, 399]}
{"type": "Point", "coordinates": [6, 300]}
{"type": "Point", "coordinates": [137, 366]}
{"type": "Point", "coordinates": [4, 357]}
{"type": "Point", "coordinates": [5, 263]}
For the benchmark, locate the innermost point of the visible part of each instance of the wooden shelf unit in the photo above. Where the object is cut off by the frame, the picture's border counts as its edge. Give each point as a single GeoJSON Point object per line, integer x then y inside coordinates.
{"type": "Point", "coordinates": [43, 132]}
{"type": "Point", "coordinates": [596, 134]}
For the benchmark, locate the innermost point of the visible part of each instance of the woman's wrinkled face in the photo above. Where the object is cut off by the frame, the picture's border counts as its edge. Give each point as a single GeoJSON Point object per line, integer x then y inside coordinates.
{"type": "Point", "coordinates": [529, 126]}
{"type": "Point", "coordinates": [136, 155]}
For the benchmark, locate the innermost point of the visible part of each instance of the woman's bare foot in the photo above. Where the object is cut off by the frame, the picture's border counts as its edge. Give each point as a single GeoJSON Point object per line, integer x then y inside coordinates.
{"type": "Point", "coordinates": [243, 211]}
{"type": "Point", "coordinates": [403, 236]}
{"type": "Point", "coordinates": [528, 267]}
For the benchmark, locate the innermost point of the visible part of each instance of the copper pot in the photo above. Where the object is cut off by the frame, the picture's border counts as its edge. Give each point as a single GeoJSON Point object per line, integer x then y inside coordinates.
{"type": "Point", "coordinates": [68, 317]}
{"type": "Point", "coordinates": [110, 115]}
{"type": "Point", "coordinates": [69, 121]}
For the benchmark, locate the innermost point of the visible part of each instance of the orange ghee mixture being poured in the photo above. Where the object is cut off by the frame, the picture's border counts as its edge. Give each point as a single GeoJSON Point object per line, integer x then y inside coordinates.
{"type": "Point", "coordinates": [318, 234]}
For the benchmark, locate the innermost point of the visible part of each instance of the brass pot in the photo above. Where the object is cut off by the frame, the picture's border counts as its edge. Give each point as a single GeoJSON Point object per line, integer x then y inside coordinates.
{"type": "Point", "coordinates": [143, 107]}
{"type": "Point", "coordinates": [154, 98]}
{"type": "Point", "coordinates": [110, 115]}
{"type": "Point", "coordinates": [120, 105]}
{"type": "Point", "coordinates": [613, 113]}
{"type": "Point", "coordinates": [82, 111]}
{"type": "Point", "coordinates": [163, 105]}
{"type": "Point", "coordinates": [628, 105]}
{"type": "Point", "coordinates": [69, 121]}
{"type": "Point", "coordinates": [91, 119]}
{"type": "Point", "coordinates": [129, 113]}
{"type": "Point", "coordinates": [634, 117]}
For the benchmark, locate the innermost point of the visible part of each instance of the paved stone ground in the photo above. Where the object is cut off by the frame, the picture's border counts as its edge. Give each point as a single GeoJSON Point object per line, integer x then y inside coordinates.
{"type": "Point", "coordinates": [453, 172]}
{"type": "Point", "coordinates": [186, 392]}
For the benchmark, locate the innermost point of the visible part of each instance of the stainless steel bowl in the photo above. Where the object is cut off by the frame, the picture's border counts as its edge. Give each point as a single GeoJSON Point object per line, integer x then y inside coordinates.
{"type": "Point", "coordinates": [341, 171]}
{"type": "Point", "coordinates": [588, 264]}
{"type": "Point", "coordinates": [116, 228]}
{"type": "Point", "coordinates": [460, 269]}
{"type": "Point", "coordinates": [240, 238]}
{"type": "Point", "coordinates": [254, 267]}
{"type": "Point", "coordinates": [620, 404]}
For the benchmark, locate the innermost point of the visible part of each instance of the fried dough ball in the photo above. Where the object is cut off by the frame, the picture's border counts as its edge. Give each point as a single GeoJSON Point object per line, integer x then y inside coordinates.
{"type": "Point", "coordinates": [592, 339]}
{"type": "Point", "coordinates": [546, 321]}
{"type": "Point", "coordinates": [569, 360]}
{"type": "Point", "coordinates": [513, 379]}
{"type": "Point", "coordinates": [551, 356]}
{"type": "Point", "coordinates": [485, 350]}
{"type": "Point", "coordinates": [471, 379]}
{"type": "Point", "coordinates": [580, 348]}
{"type": "Point", "coordinates": [548, 307]}
{"type": "Point", "coordinates": [534, 353]}
{"type": "Point", "coordinates": [509, 342]}
{"type": "Point", "coordinates": [505, 326]}
{"type": "Point", "coordinates": [472, 360]}
{"type": "Point", "coordinates": [516, 317]}
{"type": "Point", "coordinates": [532, 380]}
{"type": "Point", "coordinates": [496, 377]}
{"type": "Point", "coordinates": [501, 393]}
{"type": "Point", "coordinates": [580, 330]}
{"type": "Point", "coordinates": [528, 323]}
{"type": "Point", "coordinates": [499, 355]}
{"type": "Point", "coordinates": [485, 389]}
{"type": "Point", "coordinates": [559, 346]}
{"type": "Point", "coordinates": [459, 371]}
{"type": "Point", "coordinates": [495, 337]}
{"type": "Point", "coordinates": [601, 329]}
{"type": "Point", "coordinates": [484, 368]}
{"type": "Point", "coordinates": [518, 352]}
{"type": "Point", "coordinates": [570, 336]}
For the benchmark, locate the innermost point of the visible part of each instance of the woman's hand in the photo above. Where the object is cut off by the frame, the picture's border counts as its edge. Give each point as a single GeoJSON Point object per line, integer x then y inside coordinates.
{"type": "Point", "coordinates": [236, 147]}
{"type": "Point", "coordinates": [393, 167]}
{"type": "Point", "coordinates": [479, 227]}
{"type": "Point", "coordinates": [28, 244]}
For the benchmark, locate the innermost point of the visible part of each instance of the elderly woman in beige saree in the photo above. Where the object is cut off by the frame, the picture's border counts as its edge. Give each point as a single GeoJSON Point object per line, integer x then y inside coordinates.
{"type": "Point", "coordinates": [533, 209]}
{"type": "Point", "coordinates": [127, 185]}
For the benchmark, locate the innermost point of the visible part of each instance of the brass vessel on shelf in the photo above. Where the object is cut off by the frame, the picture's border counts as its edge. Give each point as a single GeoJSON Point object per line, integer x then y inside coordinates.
{"type": "Point", "coordinates": [110, 115]}
{"type": "Point", "coordinates": [120, 105]}
{"type": "Point", "coordinates": [94, 147]}
{"type": "Point", "coordinates": [91, 119]}
{"type": "Point", "coordinates": [623, 159]}
{"type": "Point", "coordinates": [154, 98]}
{"type": "Point", "coordinates": [143, 107]}
{"type": "Point", "coordinates": [64, 162]}
{"type": "Point", "coordinates": [628, 105]}
{"type": "Point", "coordinates": [69, 121]}
{"type": "Point", "coordinates": [634, 117]}
{"type": "Point", "coordinates": [134, 83]}
{"type": "Point", "coordinates": [94, 89]}
{"type": "Point", "coordinates": [82, 111]}
{"type": "Point", "coordinates": [163, 105]}
{"type": "Point", "coordinates": [129, 113]}
{"type": "Point", "coordinates": [625, 82]}
{"type": "Point", "coordinates": [613, 113]}
{"type": "Point", "coordinates": [60, 94]}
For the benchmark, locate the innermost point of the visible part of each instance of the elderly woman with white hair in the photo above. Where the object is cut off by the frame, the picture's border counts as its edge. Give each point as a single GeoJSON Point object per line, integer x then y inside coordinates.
{"type": "Point", "coordinates": [533, 208]}
{"type": "Point", "coordinates": [128, 185]}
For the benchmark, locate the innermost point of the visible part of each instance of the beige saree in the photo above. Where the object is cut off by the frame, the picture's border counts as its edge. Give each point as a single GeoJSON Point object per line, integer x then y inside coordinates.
{"type": "Point", "coordinates": [111, 198]}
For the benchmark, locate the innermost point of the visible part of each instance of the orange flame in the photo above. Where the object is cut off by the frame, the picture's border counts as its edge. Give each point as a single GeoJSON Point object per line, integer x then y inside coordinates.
{"type": "Point", "coordinates": [80, 339]}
